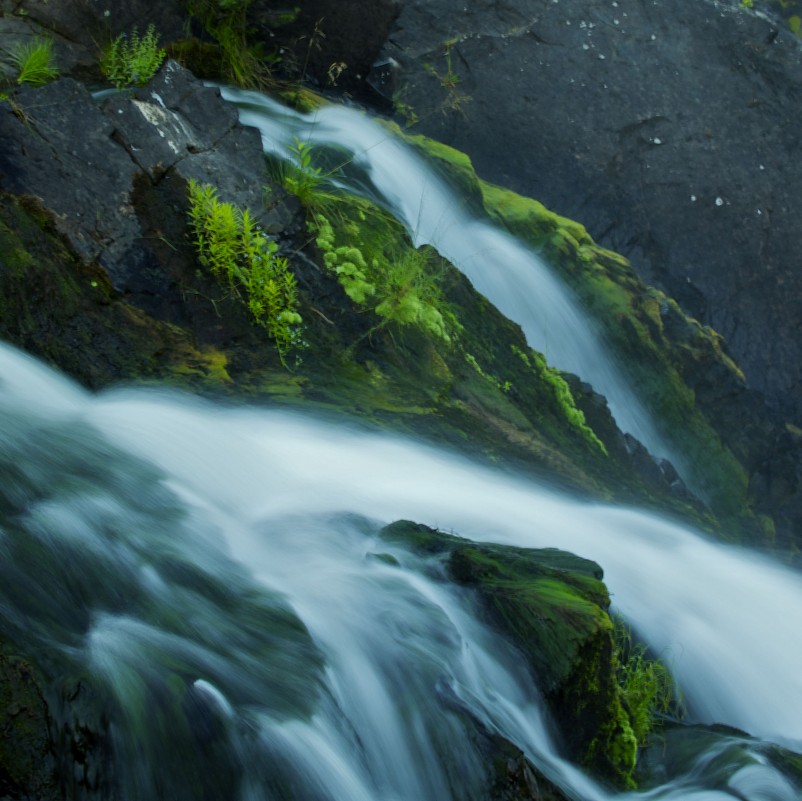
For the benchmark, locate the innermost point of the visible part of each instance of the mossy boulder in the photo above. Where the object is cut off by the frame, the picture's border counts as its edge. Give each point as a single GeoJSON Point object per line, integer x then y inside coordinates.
{"type": "Point", "coordinates": [553, 606]}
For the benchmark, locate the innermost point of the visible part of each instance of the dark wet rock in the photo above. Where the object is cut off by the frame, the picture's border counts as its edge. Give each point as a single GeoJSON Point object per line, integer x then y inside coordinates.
{"type": "Point", "coordinates": [329, 43]}
{"type": "Point", "coordinates": [738, 761]}
{"type": "Point", "coordinates": [54, 738]}
{"type": "Point", "coordinates": [514, 777]}
{"type": "Point", "coordinates": [669, 129]}
{"type": "Point", "coordinates": [58, 147]}
{"type": "Point", "coordinates": [81, 159]}
{"type": "Point", "coordinates": [26, 761]}
{"type": "Point", "coordinates": [81, 29]}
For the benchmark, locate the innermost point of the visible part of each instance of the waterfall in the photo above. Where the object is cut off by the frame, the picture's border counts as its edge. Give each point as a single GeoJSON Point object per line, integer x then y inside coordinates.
{"type": "Point", "coordinates": [379, 165]}
{"type": "Point", "coordinates": [217, 571]}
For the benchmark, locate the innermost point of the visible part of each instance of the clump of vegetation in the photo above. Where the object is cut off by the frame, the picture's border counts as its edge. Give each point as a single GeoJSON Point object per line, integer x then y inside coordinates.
{"type": "Point", "coordinates": [449, 80]}
{"type": "Point", "coordinates": [235, 249]}
{"type": "Point", "coordinates": [132, 60]}
{"type": "Point", "coordinates": [405, 109]}
{"type": "Point", "coordinates": [369, 251]}
{"type": "Point", "coordinates": [379, 269]}
{"type": "Point", "coordinates": [35, 62]}
{"type": "Point", "coordinates": [242, 64]}
{"type": "Point", "coordinates": [647, 688]}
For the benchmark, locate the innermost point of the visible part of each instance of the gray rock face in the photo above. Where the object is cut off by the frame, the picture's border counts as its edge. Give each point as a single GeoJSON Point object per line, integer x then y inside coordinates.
{"type": "Point", "coordinates": [84, 158]}
{"type": "Point", "coordinates": [58, 145]}
{"type": "Point", "coordinates": [671, 130]}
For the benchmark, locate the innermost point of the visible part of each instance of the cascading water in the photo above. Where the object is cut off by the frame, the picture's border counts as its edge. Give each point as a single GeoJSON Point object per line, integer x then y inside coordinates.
{"type": "Point", "coordinates": [217, 572]}
{"type": "Point", "coordinates": [515, 280]}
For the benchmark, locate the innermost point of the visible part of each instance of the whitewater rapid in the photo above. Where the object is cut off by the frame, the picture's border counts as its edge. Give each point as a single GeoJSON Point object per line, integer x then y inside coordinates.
{"type": "Point", "coordinates": [256, 498]}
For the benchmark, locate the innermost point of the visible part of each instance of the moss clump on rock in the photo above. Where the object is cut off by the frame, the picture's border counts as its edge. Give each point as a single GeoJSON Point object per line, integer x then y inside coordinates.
{"type": "Point", "coordinates": [553, 606]}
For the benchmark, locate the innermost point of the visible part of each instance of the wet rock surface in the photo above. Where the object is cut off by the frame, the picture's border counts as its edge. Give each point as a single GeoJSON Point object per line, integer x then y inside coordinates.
{"type": "Point", "coordinates": [81, 158]}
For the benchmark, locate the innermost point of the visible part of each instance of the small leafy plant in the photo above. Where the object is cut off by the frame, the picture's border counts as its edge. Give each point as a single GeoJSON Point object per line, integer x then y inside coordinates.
{"type": "Point", "coordinates": [302, 178]}
{"type": "Point", "coordinates": [234, 248]}
{"type": "Point", "coordinates": [35, 62]}
{"type": "Point", "coordinates": [132, 60]}
{"type": "Point", "coordinates": [449, 80]}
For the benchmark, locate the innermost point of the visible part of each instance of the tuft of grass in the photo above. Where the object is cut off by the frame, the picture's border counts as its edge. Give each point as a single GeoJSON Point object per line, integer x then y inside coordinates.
{"type": "Point", "coordinates": [242, 64]}
{"type": "Point", "coordinates": [132, 60]}
{"type": "Point", "coordinates": [35, 62]}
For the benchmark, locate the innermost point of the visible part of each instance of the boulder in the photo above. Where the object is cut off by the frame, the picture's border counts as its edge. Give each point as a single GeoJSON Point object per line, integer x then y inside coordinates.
{"type": "Point", "coordinates": [552, 606]}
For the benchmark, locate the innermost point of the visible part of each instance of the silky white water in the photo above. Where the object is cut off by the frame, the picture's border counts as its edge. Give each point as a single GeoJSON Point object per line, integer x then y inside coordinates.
{"type": "Point", "coordinates": [517, 282]}
{"type": "Point", "coordinates": [218, 570]}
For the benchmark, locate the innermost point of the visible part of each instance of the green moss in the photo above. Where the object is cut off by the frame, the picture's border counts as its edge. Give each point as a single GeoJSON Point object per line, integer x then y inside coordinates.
{"type": "Point", "coordinates": [532, 220]}
{"type": "Point", "coordinates": [303, 99]}
{"type": "Point", "coordinates": [378, 267]}
{"type": "Point", "coordinates": [67, 313]}
{"type": "Point", "coordinates": [632, 316]}
{"type": "Point", "coordinates": [208, 364]}
{"type": "Point", "coordinates": [454, 166]}
{"type": "Point", "coordinates": [562, 393]}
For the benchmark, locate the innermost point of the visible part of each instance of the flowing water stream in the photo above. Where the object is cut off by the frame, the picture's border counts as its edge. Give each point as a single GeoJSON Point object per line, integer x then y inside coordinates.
{"type": "Point", "coordinates": [379, 165]}
{"type": "Point", "coordinates": [217, 571]}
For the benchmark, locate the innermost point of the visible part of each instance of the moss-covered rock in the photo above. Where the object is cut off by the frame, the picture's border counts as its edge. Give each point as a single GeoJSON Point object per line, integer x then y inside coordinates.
{"type": "Point", "coordinates": [553, 607]}
{"type": "Point", "coordinates": [66, 312]}
{"type": "Point", "coordinates": [681, 369]}
{"type": "Point", "coordinates": [462, 374]}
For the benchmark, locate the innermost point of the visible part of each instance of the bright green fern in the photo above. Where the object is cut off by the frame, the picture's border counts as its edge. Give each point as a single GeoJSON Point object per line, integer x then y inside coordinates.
{"type": "Point", "coordinates": [235, 249]}
{"type": "Point", "coordinates": [132, 60]}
